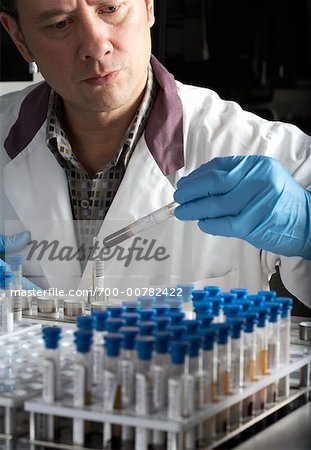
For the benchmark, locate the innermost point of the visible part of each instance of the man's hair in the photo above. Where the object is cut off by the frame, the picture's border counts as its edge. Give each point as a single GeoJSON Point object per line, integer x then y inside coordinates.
{"type": "Point", "coordinates": [10, 7]}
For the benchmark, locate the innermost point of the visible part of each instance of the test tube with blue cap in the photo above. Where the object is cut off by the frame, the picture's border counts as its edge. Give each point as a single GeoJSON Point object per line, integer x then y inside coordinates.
{"type": "Point", "coordinates": [285, 323]}
{"type": "Point", "coordinates": [112, 386]}
{"type": "Point", "coordinates": [273, 348]}
{"type": "Point", "coordinates": [160, 370]}
{"type": "Point", "coordinates": [82, 380]}
{"type": "Point", "coordinates": [99, 320]}
{"type": "Point", "coordinates": [127, 367]}
{"type": "Point", "coordinates": [144, 388]}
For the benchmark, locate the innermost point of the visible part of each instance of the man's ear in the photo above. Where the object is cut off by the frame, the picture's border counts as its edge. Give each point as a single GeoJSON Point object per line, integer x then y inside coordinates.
{"type": "Point", "coordinates": [150, 11]}
{"type": "Point", "coordinates": [12, 27]}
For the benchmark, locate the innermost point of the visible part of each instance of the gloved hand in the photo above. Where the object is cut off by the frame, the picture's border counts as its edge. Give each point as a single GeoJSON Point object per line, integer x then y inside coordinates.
{"type": "Point", "coordinates": [15, 243]}
{"type": "Point", "coordinates": [248, 197]}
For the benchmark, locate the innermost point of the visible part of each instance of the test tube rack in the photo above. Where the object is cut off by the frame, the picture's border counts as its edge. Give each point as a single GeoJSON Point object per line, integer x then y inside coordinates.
{"type": "Point", "coordinates": [21, 396]}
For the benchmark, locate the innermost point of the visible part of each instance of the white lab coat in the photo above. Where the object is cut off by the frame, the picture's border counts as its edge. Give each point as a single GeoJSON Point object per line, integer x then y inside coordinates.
{"type": "Point", "coordinates": [34, 196]}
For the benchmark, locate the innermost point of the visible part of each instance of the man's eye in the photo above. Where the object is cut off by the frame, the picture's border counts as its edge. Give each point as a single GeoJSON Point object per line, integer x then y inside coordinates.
{"type": "Point", "coordinates": [60, 25]}
{"type": "Point", "coordinates": [110, 9]}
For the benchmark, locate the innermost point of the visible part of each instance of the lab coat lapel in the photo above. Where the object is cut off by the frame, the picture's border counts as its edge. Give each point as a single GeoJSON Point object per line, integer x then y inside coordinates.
{"type": "Point", "coordinates": [37, 187]}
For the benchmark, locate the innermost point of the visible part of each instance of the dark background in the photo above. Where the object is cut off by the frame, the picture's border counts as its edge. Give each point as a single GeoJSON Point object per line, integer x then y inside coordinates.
{"type": "Point", "coordinates": [256, 52]}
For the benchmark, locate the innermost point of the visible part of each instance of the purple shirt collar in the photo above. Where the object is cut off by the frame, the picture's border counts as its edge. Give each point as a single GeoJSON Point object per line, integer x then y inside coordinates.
{"type": "Point", "coordinates": [164, 128]}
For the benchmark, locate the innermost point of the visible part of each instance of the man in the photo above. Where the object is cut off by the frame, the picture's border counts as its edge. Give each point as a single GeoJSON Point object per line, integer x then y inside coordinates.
{"type": "Point", "coordinates": [109, 137]}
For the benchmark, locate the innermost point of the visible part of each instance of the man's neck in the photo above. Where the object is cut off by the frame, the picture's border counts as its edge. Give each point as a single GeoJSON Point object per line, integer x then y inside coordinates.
{"type": "Point", "coordinates": [96, 138]}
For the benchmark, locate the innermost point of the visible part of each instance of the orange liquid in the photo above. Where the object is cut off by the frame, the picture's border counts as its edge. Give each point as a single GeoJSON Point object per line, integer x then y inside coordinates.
{"type": "Point", "coordinates": [252, 370]}
{"type": "Point", "coordinates": [264, 362]}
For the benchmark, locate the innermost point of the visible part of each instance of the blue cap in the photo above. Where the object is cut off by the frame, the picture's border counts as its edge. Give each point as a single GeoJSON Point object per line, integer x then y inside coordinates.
{"type": "Point", "coordinates": [130, 318]}
{"type": "Point", "coordinates": [192, 326]}
{"type": "Point", "coordinates": [229, 297]}
{"type": "Point", "coordinates": [223, 332]}
{"type": "Point", "coordinates": [162, 340]}
{"type": "Point", "coordinates": [113, 324]}
{"type": "Point", "coordinates": [246, 304]}
{"type": "Point", "coordinates": [217, 304]}
{"type": "Point", "coordinates": [263, 315]}
{"type": "Point", "coordinates": [240, 292]}
{"type": "Point", "coordinates": [250, 318]}
{"type": "Point", "coordinates": [85, 322]}
{"type": "Point", "coordinates": [162, 309]}
{"type": "Point", "coordinates": [146, 314]}
{"type": "Point", "coordinates": [232, 310]}
{"type": "Point", "coordinates": [178, 351]}
{"type": "Point", "coordinates": [99, 318]}
{"type": "Point", "coordinates": [175, 303]}
{"type": "Point", "coordinates": [146, 328]}
{"type": "Point", "coordinates": [162, 322]}
{"type": "Point", "coordinates": [128, 337]}
{"type": "Point", "coordinates": [202, 306]}
{"type": "Point", "coordinates": [83, 340]}
{"type": "Point", "coordinates": [176, 316]}
{"type": "Point", "coordinates": [268, 295]}
{"type": "Point", "coordinates": [115, 311]}
{"type": "Point", "coordinates": [15, 262]}
{"type": "Point", "coordinates": [146, 302]}
{"type": "Point", "coordinates": [209, 337]}
{"type": "Point", "coordinates": [177, 331]}
{"type": "Point", "coordinates": [51, 337]}
{"type": "Point", "coordinates": [206, 319]}
{"type": "Point", "coordinates": [113, 344]}
{"type": "Point", "coordinates": [186, 290]}
{"type": "Point", "coordinates": [199, 294]}
{"type": "Point", "coordinates": [130, 305]}
{"type": "Point", "coordinates": [212, 290]}
{"type": "Point", "coordinates": [257, 300]}
{"type": "Point", "coordinates": [287, 305]}
{"type": "Point", "coordinates": [237, 325]}
{"type": "Point", "coordinates": [145, 346]}
{"type": "Point", "coordinates": [194, 341]}
{"type": "Point", "coordinates": [275, 311]}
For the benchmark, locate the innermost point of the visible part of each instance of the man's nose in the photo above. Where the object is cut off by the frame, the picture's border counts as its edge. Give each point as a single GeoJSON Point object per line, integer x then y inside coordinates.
{"type": "Point", "coordinates": [95, 39]}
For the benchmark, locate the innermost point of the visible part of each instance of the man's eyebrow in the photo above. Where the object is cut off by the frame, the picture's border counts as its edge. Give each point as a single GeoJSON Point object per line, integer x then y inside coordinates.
{"type": "Point", "coordinates": [46, 15]}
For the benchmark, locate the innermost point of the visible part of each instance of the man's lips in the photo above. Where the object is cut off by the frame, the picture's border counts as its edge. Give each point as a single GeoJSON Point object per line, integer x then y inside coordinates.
{"type": "Point", "coordinates": [102, 78]}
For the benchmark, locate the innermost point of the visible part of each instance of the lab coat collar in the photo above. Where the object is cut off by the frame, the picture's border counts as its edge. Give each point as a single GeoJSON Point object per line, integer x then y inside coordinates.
{"type": "Point", "coordinates": [164, 128]}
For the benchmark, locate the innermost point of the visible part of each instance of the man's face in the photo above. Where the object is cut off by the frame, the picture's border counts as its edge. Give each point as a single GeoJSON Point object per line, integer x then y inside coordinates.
{"type": "Point", "coordinates": [93, 53]}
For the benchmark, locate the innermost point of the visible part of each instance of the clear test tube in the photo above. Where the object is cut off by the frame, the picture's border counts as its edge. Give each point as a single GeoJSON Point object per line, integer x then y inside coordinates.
{"type": "Point", "coordinates": [16, 265]}
{"type": "Point", "coordinates": [237, 367]}
{"type": "Point", "coordinates": [8, 302]}
{"type": "Point", "coordinates": [262, 355]}
{"type": "Point", "coordinates": [207, 430]}
{"type": "Point", "coordinates": [223, 373]}
{"type": "Point", "coordinates": [144, 388]}
{"type": "Point", "coordinates": [250, 358]}
{"type": "Point", "coordinates": [273, 349]}
{"type": "Point", "coordinates": [127, 369]}
{"type": "Point", "coordinates": [177, 407]}
{"type": "Point", "coordinates": [82, 380]}
{"type": "Point", "coordinates": [159, 369]}
{"type": "Point", "coordinates": [286, 304]}
{"type": "Point", "coordinates": [112, 387]}
{"type": "Point", "coordinates": [99, 320]}
{"type": "Point", "coordinates": [195, 371]}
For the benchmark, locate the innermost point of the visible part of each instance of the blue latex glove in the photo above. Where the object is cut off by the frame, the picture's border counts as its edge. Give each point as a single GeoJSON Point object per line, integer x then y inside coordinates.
{"type": "Point", "coordinates": [248, 197]}
{"type": "Point", "coordinates": [15, 243]}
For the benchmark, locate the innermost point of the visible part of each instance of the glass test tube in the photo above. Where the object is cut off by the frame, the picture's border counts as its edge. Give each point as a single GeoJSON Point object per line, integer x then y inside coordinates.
{"type": "Point", "coordinates": [223, 373]}
{"type": "Point", "coordinates": [262, 355]}
{"type": "Point", "coordinates": [159, 369]}
{"type": "Point", "coordinates": [195, 371]}
{"type": "Point", "coordinates": [8, 302]}
{"type": "Point", "coordinates": [273, 348]}
{"type": "Point", "coordinates": [250, 357]}
{"type": "Point", "coordinates": [144, 388]}
{"type": "Point", "coordinates": [207, 430]}
{"type": "Point", "coordinates": [112, 387]}
{"type": "Point", "coordinates": [127, 368]}
{"type": "Point", "coordinates": [237, 367]}
{"type": "Point", "coordinates": [99, 318]}
{"type": "Point", "coordinates": [286, 304]}
{"type": "Point", "coordinates": [16, 263]}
